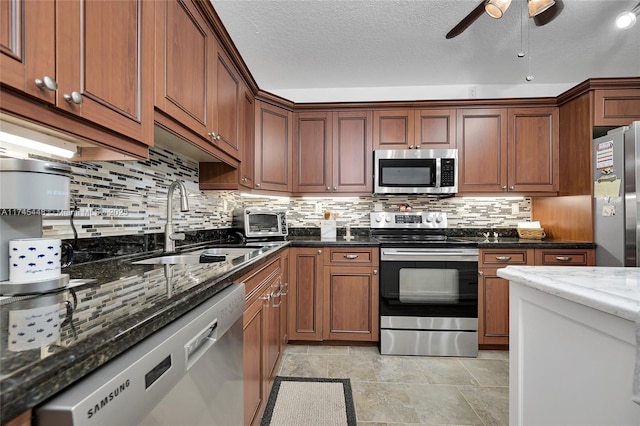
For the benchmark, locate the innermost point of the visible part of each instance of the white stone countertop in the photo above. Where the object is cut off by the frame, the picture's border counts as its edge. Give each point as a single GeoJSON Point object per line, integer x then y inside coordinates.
{"type": "Point", "coordinates": [612, 290]}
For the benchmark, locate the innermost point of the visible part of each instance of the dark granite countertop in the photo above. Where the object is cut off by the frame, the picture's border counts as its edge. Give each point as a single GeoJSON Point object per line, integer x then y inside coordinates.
{"type": "Point", "coordinates": [109, 306]}
{"type": "Point", "coordinates": [315, 241]}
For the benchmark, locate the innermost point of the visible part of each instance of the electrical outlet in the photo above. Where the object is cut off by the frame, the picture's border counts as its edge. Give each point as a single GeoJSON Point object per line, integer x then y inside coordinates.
{"type": "Point", "coordinates": [472, 92]}
{"type": "Point", "coordinates": [515, 208]}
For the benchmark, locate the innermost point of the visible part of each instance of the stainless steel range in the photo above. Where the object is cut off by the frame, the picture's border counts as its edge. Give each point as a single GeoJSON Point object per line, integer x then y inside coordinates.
{"type": "Point", "coordinates": [428, 286]}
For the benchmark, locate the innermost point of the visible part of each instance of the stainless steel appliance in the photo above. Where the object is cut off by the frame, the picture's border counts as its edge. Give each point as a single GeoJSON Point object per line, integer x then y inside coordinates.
{"type": "Point", "coordinates": [187, 373]}
{"type": "Point", "coordinates": [29, 188]}
{"type": "Point", "coordinates": [428, 286]}
{"type": "Point", "coordinates": [256, 223]}
{"type": "Point", "coordinates": [616, 176]}
{"type": "Point", "coordinates": [416, 171]}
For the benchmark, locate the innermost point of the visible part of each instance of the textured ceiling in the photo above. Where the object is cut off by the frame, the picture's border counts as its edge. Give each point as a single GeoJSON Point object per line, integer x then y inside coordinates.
{"type": "Point", "coordinates": [324, 50]}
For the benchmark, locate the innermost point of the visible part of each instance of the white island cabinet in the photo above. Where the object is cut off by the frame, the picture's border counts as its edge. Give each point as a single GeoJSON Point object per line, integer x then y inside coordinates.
{"type": "Point", "coordinates": [573, 345]}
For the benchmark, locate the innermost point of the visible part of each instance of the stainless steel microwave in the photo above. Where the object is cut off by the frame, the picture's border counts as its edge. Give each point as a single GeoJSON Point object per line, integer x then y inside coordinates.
{"type": "Point", "coordinates": [260, 223]}
{"type": "Point", "coordinates": [416, 171]}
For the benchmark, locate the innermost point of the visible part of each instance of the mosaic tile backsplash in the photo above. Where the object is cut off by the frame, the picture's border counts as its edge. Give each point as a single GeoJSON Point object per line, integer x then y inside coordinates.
{"type": "Point", "coordinates": [126, 198]}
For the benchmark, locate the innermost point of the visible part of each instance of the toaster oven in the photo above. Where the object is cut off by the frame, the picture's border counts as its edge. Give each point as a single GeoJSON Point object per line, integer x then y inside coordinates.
{"type": "Point", "coordinates": [260, 223]}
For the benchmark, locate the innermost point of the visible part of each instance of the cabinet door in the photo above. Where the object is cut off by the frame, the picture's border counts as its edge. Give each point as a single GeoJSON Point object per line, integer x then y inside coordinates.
{"type": "Point", "coordinates": [227, 99]}
{"type": "Point", "coordinates": [352, 152]}
{"type": "Point", "coordinates": [306, 293]}
{"type": "Point", "coordinates": [351, 298]}
{"type": "Point", "coordinates": [247, 127]}
{"type": "Point", "coordinates": [27, 46]}
{"type": "Point", "coordinates": [493, 308]}
{"type": "Point", "coordinates": [254, 324]}
{"type": "Point", "coordinates": [616, 107]}
{"type": "Point", "coordinates": [482, 144]}
{"type": "Point", "coordinates": [104, 63]}
{"type": "Point", "coordinates": [284, 295]}
{"type": "Point", "coordinates": [533, 150]}
{"type": "Point", "coordinates": [393, 129]}
{"type": "Point", "coordinates": [185, 65]}
{"type": "Point", "coordinates": [312, 152]}
{"type": "Point", "coordinates": [273, 342]}
{"type": "Point", "coordinates": [435, 129]}
{"type": "Point", "coordinates": [273, 148]}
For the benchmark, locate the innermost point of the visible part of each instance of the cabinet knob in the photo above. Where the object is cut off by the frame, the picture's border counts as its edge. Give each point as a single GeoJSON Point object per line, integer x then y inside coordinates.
{"type": "Point", "coordinates": [375, 272]}
{"type": "Point", "coordinates": [335, 188]}
{"type": "Point", "coordinates": [328, 188]}
{"type": "Point", "coordinates": [480, 272]}
{"type": "Point", "coordinates": [319, 251]}
{"type": "Point", "coordinates": [74, 97]}
{"type": "Point", "coordinates": [257, 185]}
{"type": "Point", "coordinates": [46, 82]}
{"type": "Point", "coordinates": [504, 188]}
{"type": "Point", "coordinates": [410, 146]}
{"type": "Point", "coordinates": [511, 188]}
{"type": "Point", "coordinates": [417, 146]}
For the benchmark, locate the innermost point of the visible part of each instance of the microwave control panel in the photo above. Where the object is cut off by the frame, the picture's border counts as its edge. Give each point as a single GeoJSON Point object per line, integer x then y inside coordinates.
{"type": "Point", "coordinates": [447, 172]}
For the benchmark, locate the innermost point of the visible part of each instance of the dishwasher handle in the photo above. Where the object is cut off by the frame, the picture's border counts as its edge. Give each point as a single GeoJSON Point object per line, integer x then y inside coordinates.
{"type": "Point", "coordinates": [200, 344]}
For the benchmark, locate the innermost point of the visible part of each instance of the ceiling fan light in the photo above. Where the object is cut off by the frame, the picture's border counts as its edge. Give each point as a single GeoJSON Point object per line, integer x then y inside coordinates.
{"type": "Point", "coordinates": [626, 20]}
{"type": "Point", "coordinates": [496, 8]}
{"type": "Point", "coordinates": [536, 7]}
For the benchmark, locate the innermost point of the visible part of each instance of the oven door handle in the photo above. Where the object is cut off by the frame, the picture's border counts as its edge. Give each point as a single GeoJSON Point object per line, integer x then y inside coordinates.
{"type": "Point", "coordinates": [459, 256]}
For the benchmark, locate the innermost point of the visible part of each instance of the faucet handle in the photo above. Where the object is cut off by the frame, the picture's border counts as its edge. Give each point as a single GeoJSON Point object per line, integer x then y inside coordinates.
{"type": "Point", "coordinates": [178, 236]}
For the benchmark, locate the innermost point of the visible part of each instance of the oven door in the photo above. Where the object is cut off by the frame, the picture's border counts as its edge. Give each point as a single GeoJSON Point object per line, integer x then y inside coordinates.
{"type": "Point", "coordinates": [419, 282]}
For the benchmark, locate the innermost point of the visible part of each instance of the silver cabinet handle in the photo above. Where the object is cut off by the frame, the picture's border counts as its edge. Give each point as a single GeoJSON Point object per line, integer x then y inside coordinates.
{"type": "Point", "coordinates": [563, 258]}
{"type": "Point", "coordinates": [74, 97]}
{"type": "Point", "coordinates": [214, 136]}
{"type": "Point", "coordinates": [511, 188]}
{"type": "Point", "coordinates": [46, 83]}
{"type": "Point", "coordinates": [350, 256]}
{"type": "Point", "coordinates": [504, 188]}
{"type": "Point", "coordinates": [480, 272]}
{"type": "Point", "coordinates": [257, 185]}
{"type": "Point", "coordinates": [375, 272]}
{"type": "Point", "coordinates": [503, 257]}
{"type": "Point", "coordinates": [319, 251]}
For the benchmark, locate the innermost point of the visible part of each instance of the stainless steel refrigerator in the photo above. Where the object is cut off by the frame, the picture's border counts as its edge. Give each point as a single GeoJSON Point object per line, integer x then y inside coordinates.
{"type": "Point", "coordinates": [616, 181]}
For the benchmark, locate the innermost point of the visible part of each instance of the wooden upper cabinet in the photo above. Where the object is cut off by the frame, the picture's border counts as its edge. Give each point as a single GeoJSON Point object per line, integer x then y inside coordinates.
{"type": "Point", "coordinates": [482, 144]}
{"type": "Point", "coordinates": [616, 107]}
{"type": "Point", "coordinates": [508, 150]}
{"type": "Point", "coordinates": [435, 128]}
{"type": "Point", "coordinates": [27, 46]}
{"type": "Point", "coordinates": [197, 85]}
{"type": "Point", "coordinates": [352, 152]}
{"type": "Point", "coordinates": [414, 129]}
{"type": "Point", "coordinates": [393, 129]}
{"type": "Point", "coordinates": [185, 65]}
{"type": "Point", "coordinates": [333, 152]}
{"type": "Point", "coordinates": [273, 153]}
{"type": "Point", "coordinates": [533, 150]}
{"type": "Point", "coordinates": [246, 137]}
{"type": "Point", "coordinates": [313, 152]}
{"type": "Point", "coordinates": [104, 80]}
{"type": "Point", "coordinates": [107, 79]}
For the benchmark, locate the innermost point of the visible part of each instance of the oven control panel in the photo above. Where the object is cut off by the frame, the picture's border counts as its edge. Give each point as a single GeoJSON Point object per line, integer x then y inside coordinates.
{"type": "Point", "coordinates": [408, 220]}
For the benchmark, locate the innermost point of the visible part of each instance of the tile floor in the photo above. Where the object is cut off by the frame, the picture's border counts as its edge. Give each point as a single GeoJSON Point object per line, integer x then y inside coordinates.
{"type": "Point", "coordinates": [403, 390]}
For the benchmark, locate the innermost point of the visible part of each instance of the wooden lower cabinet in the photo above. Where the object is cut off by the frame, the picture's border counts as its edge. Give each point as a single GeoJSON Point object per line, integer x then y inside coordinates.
{"type": "Point", "coordinates": [493, 291]}
{"type": "Point", "coordinates": [262, 336]}
{"type": "Point", "coordinates": [334, 294]}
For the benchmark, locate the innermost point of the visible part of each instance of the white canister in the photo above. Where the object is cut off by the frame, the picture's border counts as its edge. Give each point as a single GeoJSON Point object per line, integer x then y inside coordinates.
{"type": "Point", "coordinates": [34, 259]}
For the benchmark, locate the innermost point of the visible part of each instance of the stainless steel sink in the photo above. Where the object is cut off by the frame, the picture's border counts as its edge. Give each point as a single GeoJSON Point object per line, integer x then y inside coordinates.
{"type": "Point", "coordinates": [194, 257]}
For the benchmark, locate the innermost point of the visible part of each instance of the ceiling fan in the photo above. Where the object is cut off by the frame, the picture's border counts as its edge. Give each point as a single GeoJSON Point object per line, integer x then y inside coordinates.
{"type": "Point", "coordinates": [542, 12]}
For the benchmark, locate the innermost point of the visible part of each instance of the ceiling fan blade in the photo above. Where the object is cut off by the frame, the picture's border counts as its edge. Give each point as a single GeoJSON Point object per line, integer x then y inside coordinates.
{"type": "Point", "coordinates": [467, 20]}
{"type": "Point", "coordinates": [548, 15]}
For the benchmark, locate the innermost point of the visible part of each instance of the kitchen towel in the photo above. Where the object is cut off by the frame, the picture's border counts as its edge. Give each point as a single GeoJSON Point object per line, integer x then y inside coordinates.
{"type": "Point", "coordinates": [635, 394]}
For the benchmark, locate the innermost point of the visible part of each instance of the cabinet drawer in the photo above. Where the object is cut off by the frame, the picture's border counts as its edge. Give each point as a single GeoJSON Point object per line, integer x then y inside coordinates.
{"type": "Point", "coordinates": [557, 257]}
{"type": "Point", "coordinates": [256, 278]}
{"type": "Point", "coordinates": [495, 257]}
{"type": "Point", "coordinates": [350, 256]}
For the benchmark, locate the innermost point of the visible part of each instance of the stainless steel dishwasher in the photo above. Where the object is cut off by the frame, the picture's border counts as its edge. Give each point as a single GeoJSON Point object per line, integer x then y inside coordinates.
{"type": "Point", "coordinates": [187, 373]}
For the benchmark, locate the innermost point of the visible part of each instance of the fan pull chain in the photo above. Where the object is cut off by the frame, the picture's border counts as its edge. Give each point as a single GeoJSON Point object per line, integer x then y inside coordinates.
{"type": "Point", "coordinates": [529, 75]}
{"type": "Point", "coordinates": [521, 53]}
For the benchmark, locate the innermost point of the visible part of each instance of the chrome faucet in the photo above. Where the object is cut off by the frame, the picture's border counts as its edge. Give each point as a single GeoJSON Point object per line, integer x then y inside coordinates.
{"type": "Point", "coordinates": [169, 236]}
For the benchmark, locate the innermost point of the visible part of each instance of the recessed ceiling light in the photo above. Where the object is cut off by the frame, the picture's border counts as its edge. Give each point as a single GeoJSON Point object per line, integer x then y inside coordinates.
{"type": "Point", "coordinates": [628, 19]}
